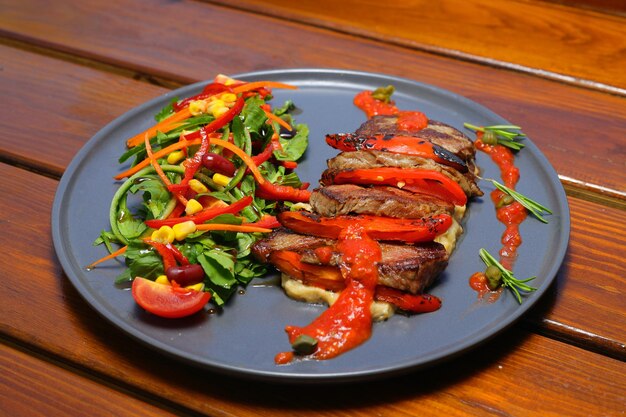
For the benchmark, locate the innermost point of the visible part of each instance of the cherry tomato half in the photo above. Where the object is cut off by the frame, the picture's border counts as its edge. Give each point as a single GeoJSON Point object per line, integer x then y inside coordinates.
{"type": "Point", "coordinates": [166, 300]}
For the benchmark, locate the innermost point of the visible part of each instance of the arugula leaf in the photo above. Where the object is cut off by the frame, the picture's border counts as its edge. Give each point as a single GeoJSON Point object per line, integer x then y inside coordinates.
{"type": "Point", "coordinates": [129, 226]}
{"type": "Point", "coordinates": [156, 196]}
{"type": "Point", "coordinates": [166, 111]}
{"type": "Point", "coordinates": [286, 108]}
{"type": "Point", "coordinates": [294, 148]}
{"type": "Point", "coordinates": [219, 266]}
{"type": "Point", "coordinates": [253, 115]}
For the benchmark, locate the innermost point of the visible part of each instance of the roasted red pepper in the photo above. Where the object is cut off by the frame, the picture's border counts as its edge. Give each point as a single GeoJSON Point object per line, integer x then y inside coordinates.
{"type": "Point", "coordinates": [270, 191]}
{"type": "Point", "coordinates": [204, 215]}
{"type": "Point", "coordinates": [407, 145]}
{"type": "Point", "coordinates": [417, 180]}
{"type": "Point", "coordinates": [267, 221]}
{"type": "Point", "coordinates": [380, 228]}
{"type": "Point", "coordinates": [325, 277]}
{"type": "Point", "coordinates": [413, 303]}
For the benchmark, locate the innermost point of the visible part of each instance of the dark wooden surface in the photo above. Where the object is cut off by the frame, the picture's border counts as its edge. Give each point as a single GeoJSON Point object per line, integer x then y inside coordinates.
{"type": "Point", "coordinates": [71, 70]}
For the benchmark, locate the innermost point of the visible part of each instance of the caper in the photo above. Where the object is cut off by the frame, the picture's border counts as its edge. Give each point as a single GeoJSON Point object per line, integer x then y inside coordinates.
{"type": "Point", "coordinates": [505, 200]}
{"type": "Point", "coordinates": [384, 93]}
{"type": "Point", "coordinates": [494, 277]}
{"type": "Point", "coordinates": [489, 137]}
{"type": "Point", "coordinates": [304, 344]}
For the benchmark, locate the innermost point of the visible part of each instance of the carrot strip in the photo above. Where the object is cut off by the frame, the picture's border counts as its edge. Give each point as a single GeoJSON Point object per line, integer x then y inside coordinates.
{"type": "Point", "coordinates": [260, 84]}
{"type": "Point", "coordinates": [159, 170]}
{"type": "Point", "coordinates": [115, 254]}
{"type": "Point", "coordinates": [278, 120]}
{"type": "Point", "coordinates": [233, 228]}
{"type": "Point", "coordinates": [164, 126]}
{"type": "Point", "coordinates": [159, 154]}
{"type": "Point", "coordinates": [244, 157]}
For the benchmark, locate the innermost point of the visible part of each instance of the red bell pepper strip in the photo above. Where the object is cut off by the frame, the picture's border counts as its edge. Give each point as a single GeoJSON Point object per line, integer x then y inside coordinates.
{"type": "Point", "coordinates": [219, 122]}
{"type": "Point", "coordinates": [380, 228]}
{"type": "Point", "coordinates": [204, 215]}
{"type": "Point", "coordinates": [407, 145]}
{"type": "Point", "coordinates": [265, 154]}
{"type": "Point", "coordinates": [413, 303]}
{"type": "Point", "coordinates": [416, 180]}
{"type": "Point", "coordinates": [270, 191]}
{"type": "Point", "coordinates": [267, 221]}
{"type": "Point", "coordinates": [168, 257]}
{"type": "Point", "coordinates": [178, 255]}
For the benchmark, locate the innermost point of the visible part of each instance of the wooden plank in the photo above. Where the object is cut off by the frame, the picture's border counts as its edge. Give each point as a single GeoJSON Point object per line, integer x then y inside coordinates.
{"type": "Point", "coordinates": [31, 387]}
{"type": "Point", "coordinates": [580, 131]}
{"type": "Point", "coordinates": [533, 374]}
{"type": "Point", "coordinates": [526, 34]}
{"type": "Point", "coordinates": [53, 107]}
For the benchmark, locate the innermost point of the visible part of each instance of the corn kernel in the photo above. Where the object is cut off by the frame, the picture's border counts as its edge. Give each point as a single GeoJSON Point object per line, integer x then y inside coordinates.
{"type": "Point", "coordinates": [228, 97]}
{"type": "Point", "coordinates": [181, 230]}
{"type": "Point", "coordinates": [401, 184]}
{"type": "Point", "coordinates": [175, 157]}
{"type": "Point", "coordinates": [162, 279]}
{"type": "Point", "coordinates": [219, 111]}
{"type": "Point", "coordinates": [379, 178]}
{"type": "Point", "coordinates": [197, 107]}
{"type": "Point", "coordinates": [214, 101]}
{"type": "Point", "coordinates": [192, 207]}
{"type": "Point", "coordinates": [165, 234]}
{"type": "Point", "coordinates": [197, 186]}
{"type": "Point", "coordinates": [196, 287]}
{"type": "Point", "coordinates": [220, 179]}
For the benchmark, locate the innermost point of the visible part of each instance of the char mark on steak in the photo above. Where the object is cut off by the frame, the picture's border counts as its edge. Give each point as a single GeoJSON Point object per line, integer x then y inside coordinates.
{"type": "Point", "coordinates": [344, 199]}
{"type": "Point", "coordinates": [409, 268]}
{"type": "Point", "coordinates": [378, 159]}
{"type": "Point", "coordinates": [436, 132]}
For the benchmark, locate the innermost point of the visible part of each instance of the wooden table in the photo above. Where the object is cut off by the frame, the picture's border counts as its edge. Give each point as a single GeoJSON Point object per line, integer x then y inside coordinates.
{"type": "Point", "coordinates": [557, 69]}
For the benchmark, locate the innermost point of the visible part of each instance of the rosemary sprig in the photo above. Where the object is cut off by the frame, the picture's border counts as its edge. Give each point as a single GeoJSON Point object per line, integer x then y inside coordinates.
{"type": "Point", "coordinates": [508, 279]}
{"type": "Point", "coordinates": [500, 134]}
{"type": "Point", "coordinates": [538, 210]}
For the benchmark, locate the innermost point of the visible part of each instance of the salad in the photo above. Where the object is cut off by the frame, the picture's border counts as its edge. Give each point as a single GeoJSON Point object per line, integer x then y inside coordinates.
{"type": "Point", "coordinates": [204, 183]}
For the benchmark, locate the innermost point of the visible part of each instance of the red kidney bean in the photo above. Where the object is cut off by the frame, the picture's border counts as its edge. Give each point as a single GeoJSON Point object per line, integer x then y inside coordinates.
{"type": "Point", "coordinates": [217, 163]}
{"type": "Point", "coordinates": [185, 274]}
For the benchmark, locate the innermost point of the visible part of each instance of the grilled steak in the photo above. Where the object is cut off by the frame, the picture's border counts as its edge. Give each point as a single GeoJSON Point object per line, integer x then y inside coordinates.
{"type": "Point", "coordinates": [336, 200]}
{"type": "Point", "coordinates": [436, 132]}
{"type": "Point", "coordinates": [377, 159]}
{"type": "Point", "coordinates": [409, 268]}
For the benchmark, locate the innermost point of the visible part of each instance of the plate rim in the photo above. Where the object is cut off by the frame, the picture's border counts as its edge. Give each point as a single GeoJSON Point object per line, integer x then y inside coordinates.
{"type": "Point", "coordinates": [386, 371]}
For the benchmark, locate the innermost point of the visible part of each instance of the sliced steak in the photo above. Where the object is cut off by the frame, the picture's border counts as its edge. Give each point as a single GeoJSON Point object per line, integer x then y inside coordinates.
{"type": "Point", "coordinates": [377, 159]}
{"type": "Point", "coordinates": [409, 268]}
{"type": "Point", "coordinates": [436, 132]}
{"type": "Point", "coordinates": [336, 200]}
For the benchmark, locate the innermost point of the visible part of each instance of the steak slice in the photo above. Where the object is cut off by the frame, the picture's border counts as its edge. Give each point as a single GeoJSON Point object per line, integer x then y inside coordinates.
{"type": "Point", "coordinates": [366, 159]}
{"type": "Point", "coordinates": [336, 200]}
{"type": "Point", "coordinates": [409, 268]}
{"type": "Point", "coordinates": [436, 132]}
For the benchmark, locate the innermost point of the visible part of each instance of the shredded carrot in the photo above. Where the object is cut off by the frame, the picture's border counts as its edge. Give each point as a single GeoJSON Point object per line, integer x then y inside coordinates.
{"type": "Point", "coordinates": [278, 120]}
{"type": "Point", "coordinates": [260, 84]}
{"type": "Point", "coordinates": [244, 157]}
{"type": "Point", "coordinates": [233, 228]}
{"type": "Point", "coordinates": [159, 154]}
{"type": "Point", "coordinates": [115, 254]}
{"type": "Point", "coordinates": [163, 126]}
{"type": "Point", "coordinates": [159, 170]}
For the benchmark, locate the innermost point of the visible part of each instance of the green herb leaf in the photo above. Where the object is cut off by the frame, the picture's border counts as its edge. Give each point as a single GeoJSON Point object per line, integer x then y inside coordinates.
{"type": "Point", "coordinates": [293, 148]}
{"type": "Point", "coordinates": [506, 135]}
{"type": "Point", "coordinates": [508, 279]}
{"type": "Point", "coordinates": [166, 111]}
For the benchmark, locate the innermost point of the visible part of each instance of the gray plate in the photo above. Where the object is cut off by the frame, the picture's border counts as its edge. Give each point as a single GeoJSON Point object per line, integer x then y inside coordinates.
{"type": "Point", "coordinates": [243, 340]}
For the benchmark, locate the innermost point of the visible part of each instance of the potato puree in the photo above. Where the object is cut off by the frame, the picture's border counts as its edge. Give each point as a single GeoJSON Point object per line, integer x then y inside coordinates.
{"type": "Point", "coordinates": [380, 311]}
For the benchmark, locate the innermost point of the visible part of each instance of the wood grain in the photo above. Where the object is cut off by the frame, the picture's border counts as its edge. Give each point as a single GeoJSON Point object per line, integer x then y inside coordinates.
{"type": "Point", "coordinates": [64, 326]}
{"type": "Point", "coordinates": [580, 131]}
{"type": "Point", "coordinates": [32, 387]}
{"type": "Point", "coordinates": [530, 34]}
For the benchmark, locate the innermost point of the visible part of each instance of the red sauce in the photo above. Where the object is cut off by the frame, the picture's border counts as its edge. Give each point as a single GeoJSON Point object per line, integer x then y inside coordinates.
{"type": "Point", "coordinates": [511, 216]}
{"type": "Point", "coordinates": [412, 120]}
{"type": "Point", "coordinates": [348, 322]}
{"type": "Point", "coordinates": [373, 107]}
{"type": "Point", "coordinates": [478, 282]}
